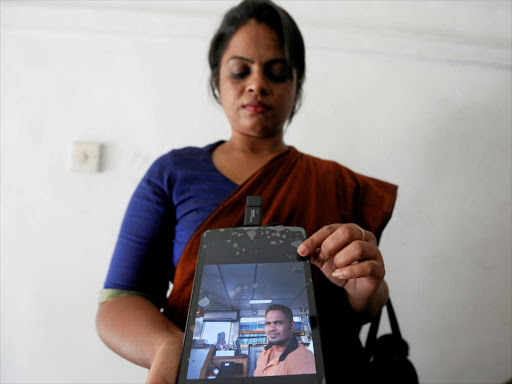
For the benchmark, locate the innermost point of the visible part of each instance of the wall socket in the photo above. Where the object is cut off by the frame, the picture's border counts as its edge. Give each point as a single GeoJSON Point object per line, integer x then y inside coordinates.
{"type": "Point", "coordinates": [86, 156]}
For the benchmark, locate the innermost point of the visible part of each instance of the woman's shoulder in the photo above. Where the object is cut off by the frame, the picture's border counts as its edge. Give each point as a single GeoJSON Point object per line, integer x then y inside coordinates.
{"type": "Point", "coordinates": [332, 167]}
{"type": "Point", "coordinates": [189, 152]}
{"type": "Point", "coordinates": [184, 156]}
{"type": "Point", "coordinates": [373, 199]}
{"type": "Point", "coordinates": [347, 178]}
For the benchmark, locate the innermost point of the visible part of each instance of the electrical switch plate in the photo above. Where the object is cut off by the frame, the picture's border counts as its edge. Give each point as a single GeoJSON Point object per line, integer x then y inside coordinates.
{"type": "Point", "coordinates": [86, 156]}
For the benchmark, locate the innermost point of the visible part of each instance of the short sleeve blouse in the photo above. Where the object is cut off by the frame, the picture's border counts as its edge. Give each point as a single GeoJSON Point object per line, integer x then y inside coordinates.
{"type": "Point", "coordinates": [178, 192]}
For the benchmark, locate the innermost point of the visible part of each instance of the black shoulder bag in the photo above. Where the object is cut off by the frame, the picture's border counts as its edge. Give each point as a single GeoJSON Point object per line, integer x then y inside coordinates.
{"type": "Point", "coordinates": [387, 355]}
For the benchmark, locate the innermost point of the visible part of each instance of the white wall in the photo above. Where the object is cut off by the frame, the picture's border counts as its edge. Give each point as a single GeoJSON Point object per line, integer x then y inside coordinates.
{"type": "Point", "coordinates": [417, 93]}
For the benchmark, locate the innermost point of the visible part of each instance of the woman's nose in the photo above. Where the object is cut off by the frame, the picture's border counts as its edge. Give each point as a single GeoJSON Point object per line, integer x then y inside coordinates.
{"type": "Point", "coordinates": [258, 84]}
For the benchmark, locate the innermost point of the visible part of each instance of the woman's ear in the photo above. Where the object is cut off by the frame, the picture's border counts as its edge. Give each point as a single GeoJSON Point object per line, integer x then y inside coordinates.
{"type": "Point", "coordinates": [216, 91]}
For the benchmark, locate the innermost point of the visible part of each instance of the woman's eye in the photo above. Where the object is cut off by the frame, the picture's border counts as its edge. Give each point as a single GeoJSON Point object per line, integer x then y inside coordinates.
{"type": "Point", "coordinates": [239, 74]}
{"type": "Point", "coordinates": [278, 73]}
{"type": "Point", "coordinates": [278, 77]}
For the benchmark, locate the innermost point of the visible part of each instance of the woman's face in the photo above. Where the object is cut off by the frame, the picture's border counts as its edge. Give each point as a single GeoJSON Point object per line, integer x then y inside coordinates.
{"type": "Point", "coordinates": [255, 89]}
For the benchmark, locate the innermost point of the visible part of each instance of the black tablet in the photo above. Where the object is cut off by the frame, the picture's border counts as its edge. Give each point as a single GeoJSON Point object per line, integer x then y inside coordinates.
{"type": "Point", "coordinates": [252, 315]}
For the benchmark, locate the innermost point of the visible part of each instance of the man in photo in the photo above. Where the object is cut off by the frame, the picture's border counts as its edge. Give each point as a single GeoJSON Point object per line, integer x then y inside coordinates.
{"type": "Point", "coordinates": [283, 355]}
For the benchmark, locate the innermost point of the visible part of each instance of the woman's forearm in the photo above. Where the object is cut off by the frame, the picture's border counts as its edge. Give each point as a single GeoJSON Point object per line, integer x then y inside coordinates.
{"type": "Point", "coordinates": [135, 329]}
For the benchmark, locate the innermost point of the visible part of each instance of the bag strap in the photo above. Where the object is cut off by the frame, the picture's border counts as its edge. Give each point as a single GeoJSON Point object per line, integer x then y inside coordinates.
{"type": "Point", "coordinates": [393, 352]}
{"type": "Point", "coordinates": [392, 319]}
{"type": "Point", "coordinates": [371, 339]}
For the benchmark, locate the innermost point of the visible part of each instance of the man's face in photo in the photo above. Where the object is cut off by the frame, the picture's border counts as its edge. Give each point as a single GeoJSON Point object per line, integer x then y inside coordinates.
{"type": "Point", "coordinates": [278, 328]}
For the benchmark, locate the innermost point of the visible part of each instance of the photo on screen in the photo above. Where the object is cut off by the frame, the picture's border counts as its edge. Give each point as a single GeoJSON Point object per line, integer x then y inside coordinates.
{"type": "Point", "coordinates": [233, 334]}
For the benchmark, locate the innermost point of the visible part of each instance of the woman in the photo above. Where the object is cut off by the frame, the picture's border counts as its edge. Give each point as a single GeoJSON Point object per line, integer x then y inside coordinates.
{"type": "Point", "coordinates": [257, 71]}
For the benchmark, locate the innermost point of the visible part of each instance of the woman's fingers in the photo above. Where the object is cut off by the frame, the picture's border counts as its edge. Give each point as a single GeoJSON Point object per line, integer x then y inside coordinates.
{"type": "Point", "coordinates": [356, 251]}
{"type": "Point", "coordinates": [333, 238]}
{"type": "Point", "coordinates": [369, 269]}
{"type": "Point", "coordinates": [346, 253]}
{"type": "Point", "coordinates": [313, 242]}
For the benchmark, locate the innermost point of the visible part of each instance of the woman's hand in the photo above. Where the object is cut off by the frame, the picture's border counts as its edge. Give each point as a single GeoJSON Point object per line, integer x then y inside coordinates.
{"type": "Point", "coordinates": [136, 329]}
{"type": "Point", "coordinates": [164, 368]}
{"type": "Point", "coordinates": [350, 258]}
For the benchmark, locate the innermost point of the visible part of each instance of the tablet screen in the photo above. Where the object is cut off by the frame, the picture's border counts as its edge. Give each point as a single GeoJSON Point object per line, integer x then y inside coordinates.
{"type": "Point", "coordinates": [252, 321]}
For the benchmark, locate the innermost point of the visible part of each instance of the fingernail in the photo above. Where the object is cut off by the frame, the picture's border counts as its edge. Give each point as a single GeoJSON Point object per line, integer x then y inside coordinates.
{"type": "Point", "coordinates": [302, 249]}
{"type": "Point", "coordinates": [338, 274]}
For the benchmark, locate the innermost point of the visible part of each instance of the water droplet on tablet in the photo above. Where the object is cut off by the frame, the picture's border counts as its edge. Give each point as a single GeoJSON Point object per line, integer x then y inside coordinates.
{"type": "Point", "coordinates": [192, 328]}
{"type": "Point", "coordinates": [238, 289]}
{"type": "Point", "coordinates": [222, 229]}
{"type": "Point", "coordinates": [232, 293]}
{"type": "Point", "coordinates": [273, 243]}
{"type": "Point", "coordinates": [204, 246]}
{"type": "Point", "coordinates": [296, 243]}
{"type": "Point", "coordinates": [255, 285]}
{"type": "Point", "coordinates": [243, 249]}
{"type": "Point", "coordinates": [228, 240]}
{"type": "Point", "coordinates": [245, 287]}
{"type": "Point", "coordinates": [280, 241]}
{"type": "Point", "coordinates": [235, 245]}
{"type": "Point", "coordinates": [284, 236]}
{"type": "Point", "coordinates": [237, 253]}
{"type": "Point", "coordinates": [251, 234]}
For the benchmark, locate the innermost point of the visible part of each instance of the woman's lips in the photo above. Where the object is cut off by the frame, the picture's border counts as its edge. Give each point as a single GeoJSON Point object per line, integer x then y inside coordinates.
{"type": "Point", "coordinates": [256, 107]}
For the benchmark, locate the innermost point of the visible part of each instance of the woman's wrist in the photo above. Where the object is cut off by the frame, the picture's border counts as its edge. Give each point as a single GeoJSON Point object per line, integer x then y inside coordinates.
{"type": "Point", "coordinates": [370, 307]}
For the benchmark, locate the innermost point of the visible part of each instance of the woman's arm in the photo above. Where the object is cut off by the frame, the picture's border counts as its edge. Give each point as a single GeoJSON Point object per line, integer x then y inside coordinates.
{"type": "Point", "coordinates": [135, 329]}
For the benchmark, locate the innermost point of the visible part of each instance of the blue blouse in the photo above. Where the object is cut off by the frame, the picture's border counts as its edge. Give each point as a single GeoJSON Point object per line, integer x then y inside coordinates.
{"type": "Point", "coordinates": [178, 192]}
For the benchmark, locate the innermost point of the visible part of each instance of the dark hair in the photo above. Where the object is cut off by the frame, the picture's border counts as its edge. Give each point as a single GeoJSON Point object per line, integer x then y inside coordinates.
{"type": "Point", "coordinates": [263, 11]}
{"type": "Point", "coordinates": [283, 308]}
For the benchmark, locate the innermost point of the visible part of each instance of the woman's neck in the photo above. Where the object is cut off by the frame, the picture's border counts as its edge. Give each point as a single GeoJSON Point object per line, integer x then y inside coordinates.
{"type": "Point", "coordinates": [255, 146]}
{"type": "Point", "coordinates": [241, 156]}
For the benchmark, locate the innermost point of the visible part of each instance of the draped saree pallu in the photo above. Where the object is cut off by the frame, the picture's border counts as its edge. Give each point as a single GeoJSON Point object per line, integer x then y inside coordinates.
{"type": "Point", "coordinates": [297, 190]}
